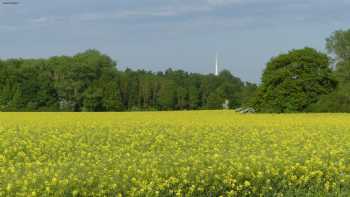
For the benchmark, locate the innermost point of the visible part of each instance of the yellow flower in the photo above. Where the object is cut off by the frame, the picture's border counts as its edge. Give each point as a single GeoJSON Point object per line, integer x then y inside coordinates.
{"type": "Point", "coordinates": [75, 193]}
{"type": "Point", "coordinates": [8, 187]}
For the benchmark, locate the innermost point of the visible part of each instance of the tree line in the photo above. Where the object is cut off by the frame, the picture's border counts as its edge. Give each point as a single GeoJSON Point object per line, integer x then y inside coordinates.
{"type": "Point", "coordinates": [302, 80]}
{"type": "Point", "coordinates": [90, 81]}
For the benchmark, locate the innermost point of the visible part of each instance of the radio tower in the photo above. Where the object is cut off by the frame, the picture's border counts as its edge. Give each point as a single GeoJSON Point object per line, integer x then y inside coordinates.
{"type": "Point", "coordinates": [217, 65]}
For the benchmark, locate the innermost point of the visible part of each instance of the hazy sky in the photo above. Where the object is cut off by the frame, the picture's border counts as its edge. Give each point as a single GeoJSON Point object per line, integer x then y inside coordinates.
{"type": "Point", "coordinates": [184, 34]}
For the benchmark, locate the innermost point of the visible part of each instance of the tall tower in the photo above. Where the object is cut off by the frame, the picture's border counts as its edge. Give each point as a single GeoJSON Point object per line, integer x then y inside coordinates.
{"type": "Point", "coordinates": [217, 65]}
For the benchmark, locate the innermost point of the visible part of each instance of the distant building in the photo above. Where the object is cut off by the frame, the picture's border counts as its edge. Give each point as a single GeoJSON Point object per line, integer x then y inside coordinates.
{"type": "Point", "coordinates": [226, 104]}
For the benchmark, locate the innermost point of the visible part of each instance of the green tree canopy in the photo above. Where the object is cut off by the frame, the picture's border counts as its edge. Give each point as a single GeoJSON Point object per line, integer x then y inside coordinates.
{"type": "Point", "coordinates": [90, 81]}
{"type": "Point", "coordinates": [339, 44]}
{"type": "Point", "coordinates": [293, 81]}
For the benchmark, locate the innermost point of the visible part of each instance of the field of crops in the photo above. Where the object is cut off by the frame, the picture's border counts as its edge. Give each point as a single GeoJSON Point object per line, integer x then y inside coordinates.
{"type": "Point", "coordinates": [204, 153]}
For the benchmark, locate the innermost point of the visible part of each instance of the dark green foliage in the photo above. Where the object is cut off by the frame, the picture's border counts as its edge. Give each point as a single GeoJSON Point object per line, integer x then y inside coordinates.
{"type": "Point", "coordinates": [248, 94]}
{"type": "Point", "coordinates": [90, 81]}
{"type": "Point", "coordinates": [292, 82]}
{"type": "Point", "coordinates": [193, 97]}
{"type": "Point", "coordinates": [167, 94]}
{"type": "Point", "coordinates": [339, 101]}
{"type": "Point", "coordinates": [215, 100]}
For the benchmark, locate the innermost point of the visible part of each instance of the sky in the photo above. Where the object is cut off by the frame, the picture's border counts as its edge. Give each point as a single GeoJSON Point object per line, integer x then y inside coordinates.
{"type": "Point", "coordinates": [181, 34]}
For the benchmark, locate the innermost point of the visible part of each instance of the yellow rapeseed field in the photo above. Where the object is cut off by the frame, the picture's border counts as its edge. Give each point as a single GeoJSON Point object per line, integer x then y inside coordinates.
{"type": "Point", "coordinates": [202, 153]}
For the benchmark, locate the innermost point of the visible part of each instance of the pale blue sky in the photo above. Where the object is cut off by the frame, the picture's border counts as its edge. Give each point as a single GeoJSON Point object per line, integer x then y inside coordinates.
{"type": "Point", "coordinates": [182, 34]}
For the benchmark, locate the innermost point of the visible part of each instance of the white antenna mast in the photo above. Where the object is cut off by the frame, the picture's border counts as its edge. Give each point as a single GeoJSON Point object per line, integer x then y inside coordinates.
{"type": "Point", "coordinates": [217, 65]}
